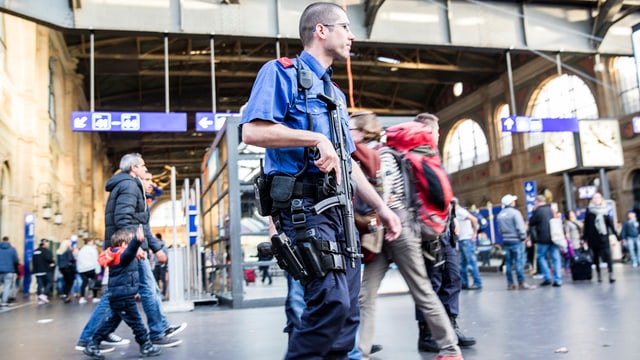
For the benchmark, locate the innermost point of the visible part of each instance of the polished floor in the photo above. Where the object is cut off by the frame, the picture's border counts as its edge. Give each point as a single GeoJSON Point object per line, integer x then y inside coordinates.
{"type": "Point", "coordinates": [580, 320]}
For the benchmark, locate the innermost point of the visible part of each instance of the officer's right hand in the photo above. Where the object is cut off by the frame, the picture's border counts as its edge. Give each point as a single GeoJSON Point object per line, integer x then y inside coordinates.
{"type": "Point", "coordinates": [329, 159]}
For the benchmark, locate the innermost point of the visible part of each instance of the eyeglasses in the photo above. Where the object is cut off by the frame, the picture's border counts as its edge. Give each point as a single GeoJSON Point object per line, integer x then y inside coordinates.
{"type": "Point", "coordinates": [345, 25]}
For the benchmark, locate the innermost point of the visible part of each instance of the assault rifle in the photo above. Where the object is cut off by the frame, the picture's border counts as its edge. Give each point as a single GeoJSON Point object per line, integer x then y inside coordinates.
{"type": "Point", "coordinates": [343, 192]}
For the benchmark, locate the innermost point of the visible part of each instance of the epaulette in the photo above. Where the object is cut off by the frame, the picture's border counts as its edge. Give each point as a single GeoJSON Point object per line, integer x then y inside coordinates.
{"type": "Point", "coordinates": [285, 62]}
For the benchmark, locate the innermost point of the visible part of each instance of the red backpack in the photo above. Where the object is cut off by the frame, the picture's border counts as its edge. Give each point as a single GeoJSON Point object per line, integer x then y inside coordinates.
{"type": "Point", "coordinates": [431, 188]}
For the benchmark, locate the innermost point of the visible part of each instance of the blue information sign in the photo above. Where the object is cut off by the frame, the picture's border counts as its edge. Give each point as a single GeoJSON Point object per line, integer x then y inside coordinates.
{"type": "Point", "coordinates": [206, 122]}
{"type": "Point", "coordinates": [530, 192]}
{"type": "Point", "coordinates": [128, 121]}
{"type": "Point", "coordinates": [29, 236]}
{"type": "Point", "coordinates": [636, 124]}
{"type": "Point", "coordinates": [526, 124]}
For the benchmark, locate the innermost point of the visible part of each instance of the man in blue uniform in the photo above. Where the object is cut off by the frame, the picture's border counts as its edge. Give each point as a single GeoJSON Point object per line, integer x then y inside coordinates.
{"type": "Point", "coordinates": [277, 118]}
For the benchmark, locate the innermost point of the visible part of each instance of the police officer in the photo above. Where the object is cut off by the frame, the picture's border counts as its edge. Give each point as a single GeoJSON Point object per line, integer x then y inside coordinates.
{"type": "Point", "coordinates": [277, 118]}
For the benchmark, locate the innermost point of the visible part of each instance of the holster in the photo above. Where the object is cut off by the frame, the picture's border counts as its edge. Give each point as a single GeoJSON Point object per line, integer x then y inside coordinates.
{"type": "Point", "coordinates": [261, 189]}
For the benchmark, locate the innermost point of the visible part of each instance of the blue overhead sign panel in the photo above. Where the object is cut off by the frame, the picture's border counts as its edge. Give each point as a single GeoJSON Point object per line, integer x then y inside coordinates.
{"type": "Point", "coordinates": [530, 192]}
{"type": "Point", "coordinates": [211, 122]}
{"type": "Point", "coordinates": [128, 121]}
{"type": "Point", "coordinates": [636, 124]}
{"type": "Point", "coordinates": [527, 124]}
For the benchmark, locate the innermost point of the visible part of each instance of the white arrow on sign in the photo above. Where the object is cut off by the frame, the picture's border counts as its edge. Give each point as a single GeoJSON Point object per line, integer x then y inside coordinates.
{"type": "Point", "coordinates": [205, 122]}
{"type": "Point", "coordinates": [508, 123]}
{"type": "Point", "coordinates": [80, 122]}
{"type": "Point", "coordinates": [528, 187]}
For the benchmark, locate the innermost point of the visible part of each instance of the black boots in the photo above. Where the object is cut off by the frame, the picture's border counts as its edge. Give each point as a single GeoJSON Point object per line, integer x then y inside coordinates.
{"type": "Point", "coordinates": [427, 343]}
{"type": "Point", "coordinates": [462, 339]}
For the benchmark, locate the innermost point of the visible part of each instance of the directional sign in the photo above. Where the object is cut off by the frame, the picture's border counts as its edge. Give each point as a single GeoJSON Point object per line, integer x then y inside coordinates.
{"type": "Point", "coordinates": [206, 122]}
{"type": "Point", "coordinates": [587, 192]}
{"type": "Point", "coordinates": [526, 124]}
{"type": "Point", "coordinates": [128, 121]}
{"type": "Point", "coordinates": [530, 192]}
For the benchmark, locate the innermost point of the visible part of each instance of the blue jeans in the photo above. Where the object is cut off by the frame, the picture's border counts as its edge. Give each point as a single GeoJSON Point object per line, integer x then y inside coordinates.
{"type": "Point", "coordinates": [8, 280]}
{"type": "Point", "coordinates": [542, 250]}
{"type": "Point", "coordinates": [151, 300]}
{"type": "Point", "coordinates": [468, 262]}
{"type": "Point", "coordinates": [514, 252]}
{"type": "Point", "coordinates": [634, 251]}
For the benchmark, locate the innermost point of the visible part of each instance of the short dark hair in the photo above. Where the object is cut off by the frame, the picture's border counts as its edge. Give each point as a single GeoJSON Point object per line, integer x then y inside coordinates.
{"type": "Point", "coordinates": [122, 236]}
{"type": "Point", "coordinates": [314, 14]}
{"type": "Point", "coordinates": [158, 236]}
{"type": "Point", "coordinates": [426, 119]}
{"type": "Point", "coordinates": [5, 238]}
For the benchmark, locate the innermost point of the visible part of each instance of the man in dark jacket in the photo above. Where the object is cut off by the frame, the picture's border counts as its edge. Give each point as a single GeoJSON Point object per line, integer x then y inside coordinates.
{"type": "Point", "coordinates": [541, 236]}
{"type": "Point", "coordinates": [8, 268]}
{"type": "Point", "coordinates": [127, 209]}
{"type": "Point", "coordinates": [42, 266]}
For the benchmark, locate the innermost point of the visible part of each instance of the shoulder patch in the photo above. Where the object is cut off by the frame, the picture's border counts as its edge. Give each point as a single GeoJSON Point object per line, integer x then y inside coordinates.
{"type": "Point", "coordinates": [285, 62]}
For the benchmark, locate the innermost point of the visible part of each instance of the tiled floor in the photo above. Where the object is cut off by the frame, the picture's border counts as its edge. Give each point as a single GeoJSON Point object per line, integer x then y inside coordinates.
{"type": "Point", "coordinates": [588, 319]}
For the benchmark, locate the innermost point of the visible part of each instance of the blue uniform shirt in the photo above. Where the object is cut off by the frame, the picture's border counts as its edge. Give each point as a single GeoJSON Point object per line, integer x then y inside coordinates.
{"type": "Point", "coordinates": [275, 97]}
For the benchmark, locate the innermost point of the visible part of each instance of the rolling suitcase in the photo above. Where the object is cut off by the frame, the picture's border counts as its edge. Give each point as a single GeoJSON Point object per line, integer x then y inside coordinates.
{"type": "Point", "coordinates": [581, 265]}
{"type": "Point", "coordinates": [249, 276]}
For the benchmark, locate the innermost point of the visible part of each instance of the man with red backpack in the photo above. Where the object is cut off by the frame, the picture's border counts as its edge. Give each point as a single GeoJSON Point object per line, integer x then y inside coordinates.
{"type": "Point", "coordinates": [406, 252]}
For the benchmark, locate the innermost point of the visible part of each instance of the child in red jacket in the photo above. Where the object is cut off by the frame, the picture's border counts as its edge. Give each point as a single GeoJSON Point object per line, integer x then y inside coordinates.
{"type": "Point", "coordinates": [123, 286]}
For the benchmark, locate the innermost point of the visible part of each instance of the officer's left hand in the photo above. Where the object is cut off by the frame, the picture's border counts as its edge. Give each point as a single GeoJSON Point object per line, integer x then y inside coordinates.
{"type": "Point", "coordinates": [391, 222]}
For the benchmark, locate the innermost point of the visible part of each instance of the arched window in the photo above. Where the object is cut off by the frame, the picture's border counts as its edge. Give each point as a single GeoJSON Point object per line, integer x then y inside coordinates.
{"type": "Point", "coordinates": [465, 147]}
{"type": "Point", "coordinates": [624, 70]}
{"type": "Point", "coordinates": [506, 141]}
{"type": "Point", "coordinates": [566, 96]}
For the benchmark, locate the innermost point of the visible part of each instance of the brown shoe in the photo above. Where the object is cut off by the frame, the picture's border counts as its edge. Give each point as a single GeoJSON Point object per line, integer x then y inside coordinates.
{"type": "Point", "coordinates": [512, 287]}
{"type": "Point", "coordinates": [525, 286]}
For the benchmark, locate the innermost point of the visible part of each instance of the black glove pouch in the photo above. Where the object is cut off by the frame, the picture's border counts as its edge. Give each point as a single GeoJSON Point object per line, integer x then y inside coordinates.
{"type": "Point", "coordinates": [281, 190]}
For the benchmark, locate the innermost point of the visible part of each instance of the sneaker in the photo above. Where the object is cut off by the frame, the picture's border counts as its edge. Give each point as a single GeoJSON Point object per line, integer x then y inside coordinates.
{"type": "Point", "coordinates": [166, 342]}
{"type": "Point", "coordinates": [448, 357]}
{"type": "Point", "coordinates": [525, 286]}
{"type": "Point", "coordinates": [428, 344]}
{"type": "Point", "coordinates": [103, 348]}
{"type": "Point", "coordinates": [4, 304]}
{"type": "Point", "coordinates": [174, 330]}
{"type": "Point", "coordinates": [113, 339]}
{"type": "Point", "coordinates": [546, 283]}
{"type": "Point", "coordinates": [557, 284]}
{"type": "Point", "coordinates": [40, 302]}
{"type": "Point", "coordinates": [95, 300]}
{"type": "Point", "coordinates": [475, 287]}
{"type": "Point", "coordinates": [92, 351]}
{"type": "Point", "coordinates": [147, 349]}
{"type": "Point", "coordinates": [43, 298]}
{"type": "Point", "coordinates": [82, 301]}
{"type": "Point", "coordinates": [512, 287]}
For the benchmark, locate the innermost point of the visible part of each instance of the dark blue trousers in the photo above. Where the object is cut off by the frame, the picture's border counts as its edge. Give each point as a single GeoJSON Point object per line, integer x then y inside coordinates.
{"type": "Point", "coordinates": [126, 310]}
{"type": "Point", "coordinates": [329, 321]}
{"type": "Point", "coordinates": [446, 280]}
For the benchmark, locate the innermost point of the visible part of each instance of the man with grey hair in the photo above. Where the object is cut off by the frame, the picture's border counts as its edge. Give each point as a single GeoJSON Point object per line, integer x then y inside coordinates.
{"type": "Point", "coordinates": [127, 209]}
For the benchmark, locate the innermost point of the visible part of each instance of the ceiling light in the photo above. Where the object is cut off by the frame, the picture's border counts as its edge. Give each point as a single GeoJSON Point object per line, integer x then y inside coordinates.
{"type": "Point", "coordinates": [457, 89]}
{"type": "Point", "coordinates": [388, 60]}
